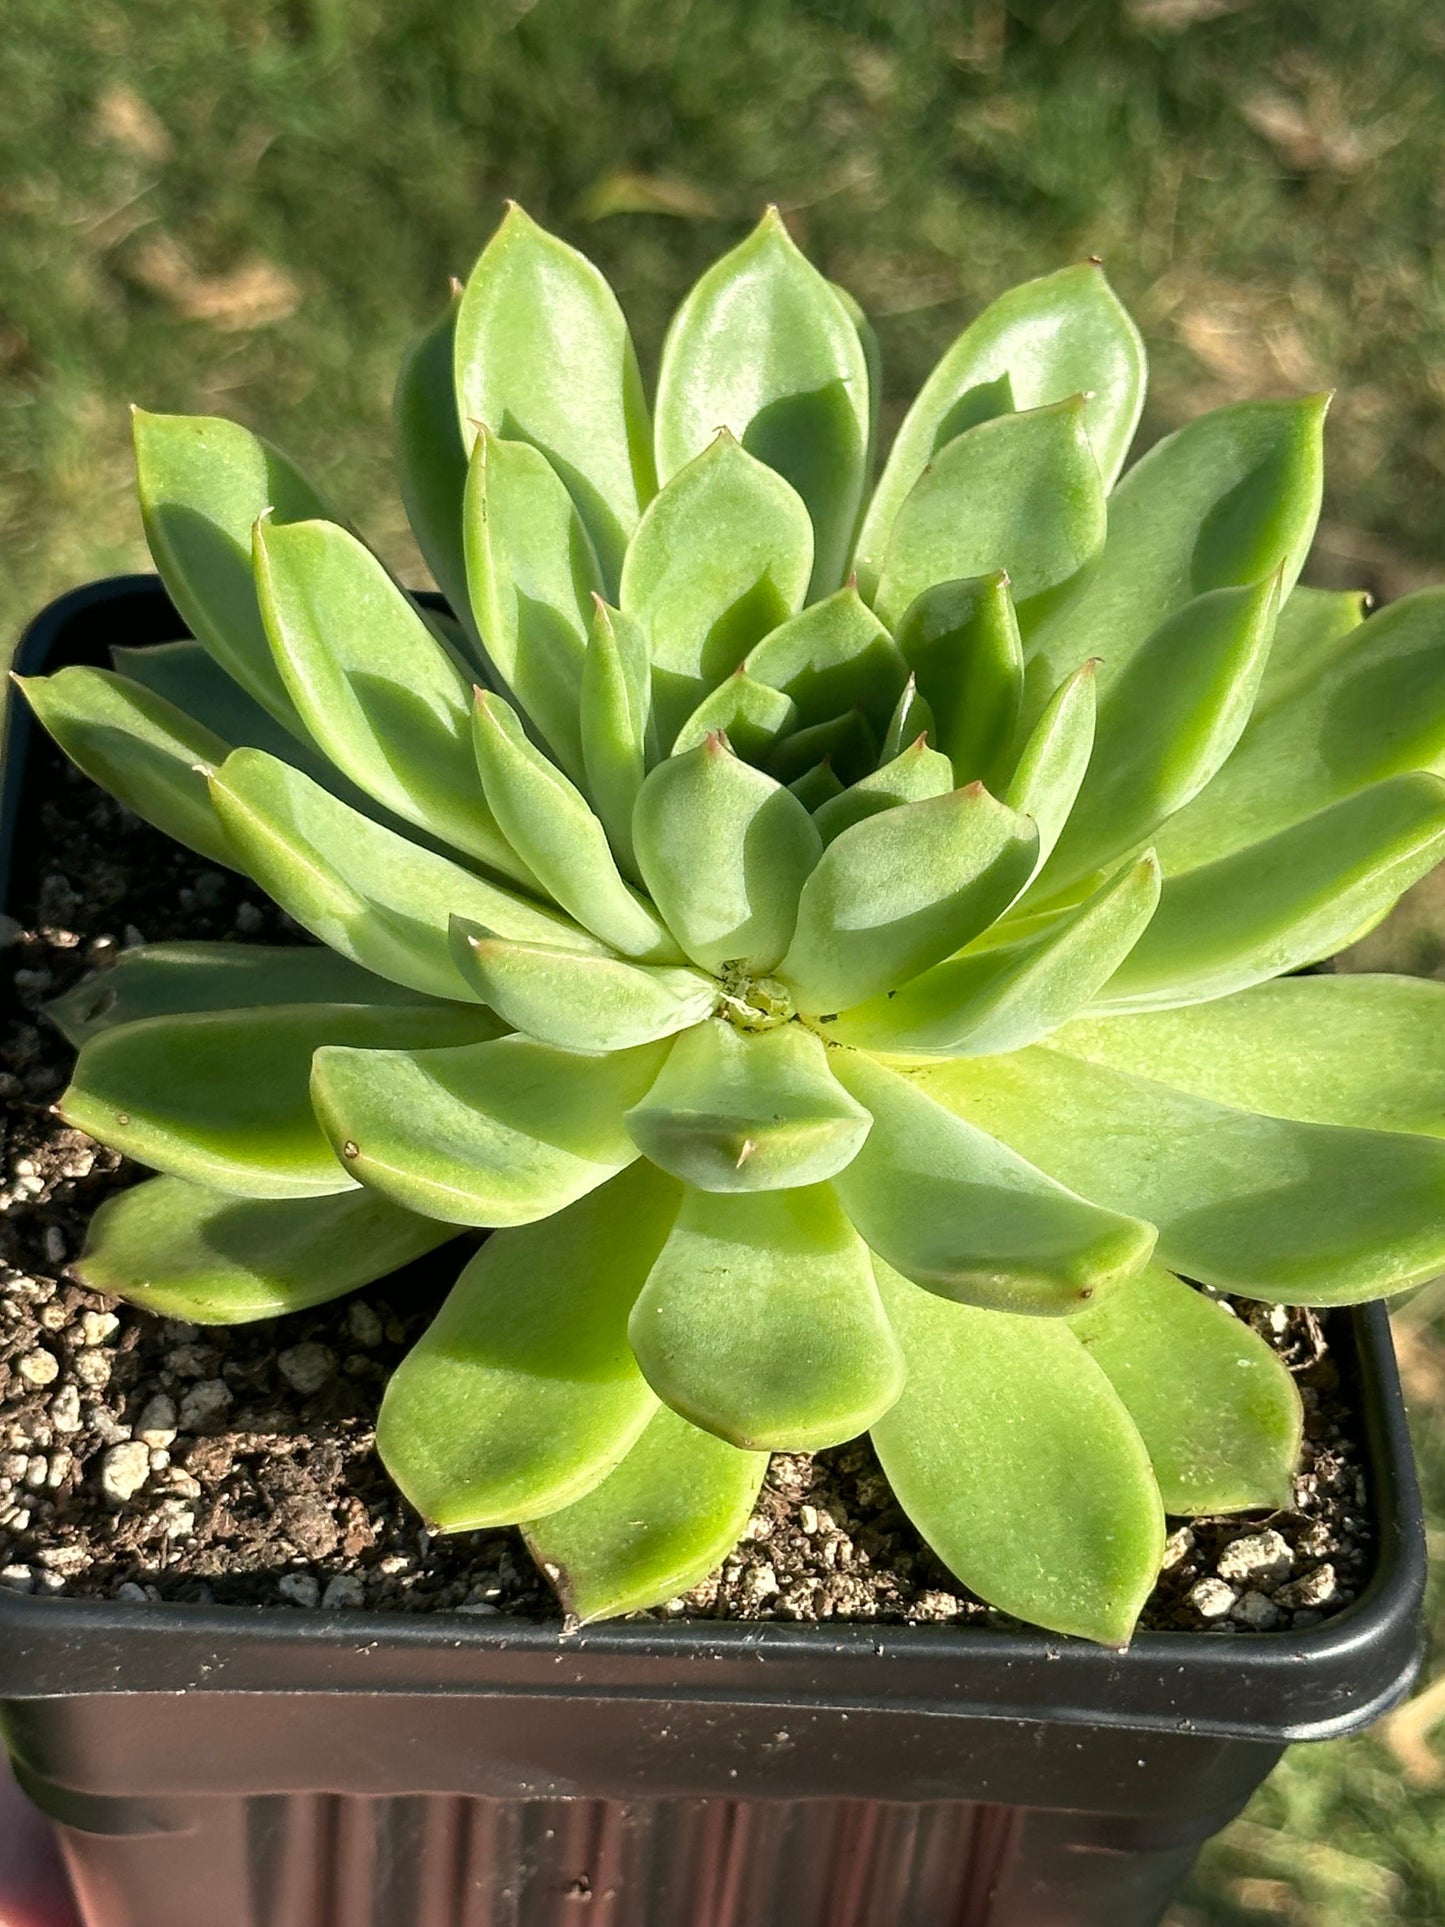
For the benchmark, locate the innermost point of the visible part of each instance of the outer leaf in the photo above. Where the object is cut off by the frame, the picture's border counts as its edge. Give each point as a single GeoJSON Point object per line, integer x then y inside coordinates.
{"type": "Point", "coordinates": [1285, 902]}
{"type": "Point", "coordinates": [1054, 758]}
{"type": "Point", "coordinates": [488, 1134]}
{"type": "Point", "coordinates": [1312, 627]}
{"type": "Point", "coordinates": [913, 777]}
{"type": "Point", "coordinates": [667, 1517]}
{"type": "Point", "coordinates": [1020, 1465]}
{"type": "Point", "coordinates": [523, 1393]}
{"type": "Point", "coordinates": [1308, 1213]}
{"type": "Point", "coordinates": [139, 747]}
{"type": "Point", "coordinates": [724, 851]}
{"type": "Point", "coordinates": [543, 356]}
{"type": "Point", "coordinates": [961, 640]}
{"type": "Point", "coordinates": [1008, 995]}
{"type": "Point", "coordinates": [902, 890]}
{"type": "Point", "coordinates": [750, 715]}
{"type": "Point", "coordinates": [1374, 708]}
{"type": "Point", "coordinates": [578, 1002]}
{"type": "Point", "coordinates": [832, 656]}
{"type": "Point", "coordinates": [739, 1111]}
{"type": "Point", "coordinates": [362, 889]}
{"type": "Point", "coordinates": [1219, 1414]}
{"type": "Point", "coordinates": [764, 347]}
{"type": "Point", "coordinates": [1063, 335]}
{"type": "Point", "coordinates": [188, 675]}
{"type": "Point", "coordinates": [619, 736]}
{"type": "Point", "coordinates": [549, 822]}
{"type": "Point", "coordinates": [962, 1214]}
{"type": "Point", "coordinates": [374, 686]}
{"type": "Point", "coordinates": [1224, 501]}
{"type": "Point", "coordinates": [203, 483]}
{"type": "Point", "coordinates": [1165, 724]}
{"type": "Point", "coordinates": [761, 1322]}
{"type": "Point", "coordinates": [1367, 1051]}
{"type": "Point", "coordinates": [432, 456]}
{"type": "Point", "coordinates": [183, 1252]}
{"type": "Point", "coordinates": [721, 556]}
{"type": "Point", "coordinates": [221, 1097]}
{"type": "Point", "coordinates": [873, 361]}
{"type": "Point", "coordinates": [1021, 494]}
{"type": "Point", "coordinates": [169, 979]}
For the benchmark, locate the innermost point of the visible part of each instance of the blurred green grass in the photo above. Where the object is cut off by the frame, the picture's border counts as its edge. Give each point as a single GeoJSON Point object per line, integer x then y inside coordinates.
{"type": "Point", "coordinates": [248, 207]}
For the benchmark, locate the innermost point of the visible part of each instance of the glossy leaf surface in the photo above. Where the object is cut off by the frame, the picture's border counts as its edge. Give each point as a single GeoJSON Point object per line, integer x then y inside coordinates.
{"type": "Point", "coordinates": [579, 1002]}
{"type": "Point", "coordinates": [761, 1322]}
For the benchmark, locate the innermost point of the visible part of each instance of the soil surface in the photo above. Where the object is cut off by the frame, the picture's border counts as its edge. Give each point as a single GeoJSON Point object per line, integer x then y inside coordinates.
{"type": "Point", "coordinates": [144, 1459]}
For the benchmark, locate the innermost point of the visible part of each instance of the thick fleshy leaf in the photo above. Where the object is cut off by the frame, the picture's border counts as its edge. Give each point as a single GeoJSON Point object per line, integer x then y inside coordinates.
{"type": "Point", "coordinates": [667, 1517]}
{"type": "Point", "coordinates": [184, 1252]}
{"type": "Point", "coordinates": [532, 576]}
{"type": "Point", "coordinates": [523, 1394]}
{"type": "Point", "coordinates": [1065, 334]}
{"type": "Point", "coordinates": [169, 979]}
{"type": "Point", "coordinates": [913, 777]}
{"type": "Point", "coordinates": [578, 1002]}
{"type": "Point", "coordinates": [1007, 995]}
{"type": "Point", "coordinates": [1224, 501]}
{"type": "Point", "coordinates": [833, 656]}
{"type": "Point", "coordinates": [203, 484]}
{"type": "Point", "coordinates": [142, 749]}
{"type": "Point", "coordinates": [847, 743]}
{"type": "Point", "coordinates": [431, 455]}
{"type": "Point", "coordinates": [619, 735]}
{"type": "Point", "coordinates": [763, 347]}
{"type": "Point", "coordinates": [362, 889]}
{"type": "Point", "coordinates": [961, 640]}
{"type": "Point", "coordinates": [736, 1110]}
{"type": "Point", "coordinates": [543, 355]}
{"type": "Point", "coordinates": [222, 1097]}
{"type": "Point", "coordinates": [749, 714]}
{"type": "Point", "coordinates": [1287, 901]}
{"type": "Point", "coordinates": [1021, 494]}
{"type": "Point", "coordinates": [902, 890]}
{"type": "Point", "coordinates": [816, 786]}
{"type": "Point", "coordinates": [1055, 757]}
{"type": "Point", "coordinates": [1165, 724]}
{"type": "Point", "coordinates": [1374, 708]}
{"type": "Point", "coordinates": [188, 675]}
{"type": "Point", "coordinates": [722, 555]}
{"type": "Point", "coordinates": [1019, 1463]}
{"type": "Point", "coordinates": [761, 1322]}
{"type": "Point", "coordinates": [1367, 1051]}
{"type": "Point", "coordinates": [549, 822]}
{"type": "Point", "coordinates": [1313, 626]}
{"type": "Point", "coordinates": [1311, 1214]}
{"type": "Point", "coordinates": [487, 1134]}
{"type": "Point", "coordinates": [873, 363]}
{"type": "Point", "coordinates": [960, 1213]}
{"type": "Point", "coordinates": [912, 717]}
{"type": "Point", "coordinates": [724, 851]}
{"type": "Point", "coordinates": [374, 686]}
{"type": "Point", "coordinates": [1218, 1411]}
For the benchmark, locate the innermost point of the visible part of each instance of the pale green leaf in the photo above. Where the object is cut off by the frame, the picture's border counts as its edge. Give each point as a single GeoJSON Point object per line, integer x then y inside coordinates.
{"type": "Point", "coordinates": [523, 1394]}
{"type": "Point", "coordinates": [1312, 627]}
{"type": "Point", "coordinates": [179, 1251]}
{"type": "Point", "coordinates": [749, 714]}
{"type": "Point", "coordinates": [667, 1517]}
{"type": "Point", "coordinates": [816, 786]}
{"type": "Point", "coordinates": [734, 1110]}
{"type": "Point", "coordinates": [834, 655]}
{"type": "Point", "coordinates": [847, 743]}
{"type": "Point", "coordinates": [1062, 335]}
{"type": "Point", "coordinates": [724, 851]}
{"type": "Point", "coordinates": [487, 1134]}
{"type": "Point", "coordinates": [763, 347]}
{"type": "Point", "coordinates": [902, 890]}
{"type": "Point", "coordinates": [722, 555]}
{"type": "Point", "coordinates": [961, 640]}
{"type": "Point", "coordinates": [1310, 1214]}
{"type": "Point", "coordinates": [761, 1322]}
{"type": "Point", "coordinates": [578, 1002]}
{"type": "Point", "coordinates": [543, 356]}
{"type": "Point", "coordinates": [1218, 1411]}
{"type": "Point", "coordinates": [1054, 758]}
{"type": "Point", "coordinates": [619, 736]}
{"type": "Point", "coordinates": [1019, 1463]}
{"type": "Point", "coordinates": [431, 455]}
{"type": "Point", "coordinates": [912, 777]}
{"type": "Point", "coordinates": [957, 1211]}
{"type": "Point", "coordinates": [912, 718]}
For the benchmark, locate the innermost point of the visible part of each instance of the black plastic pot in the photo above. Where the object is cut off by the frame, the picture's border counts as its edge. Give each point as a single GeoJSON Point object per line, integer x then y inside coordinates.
{"type": "Point", "coordinates": [219, 1767]}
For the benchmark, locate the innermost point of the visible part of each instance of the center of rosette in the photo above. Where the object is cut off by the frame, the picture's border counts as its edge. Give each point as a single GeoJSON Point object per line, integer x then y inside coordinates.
{"type": "Point", "coordinates": [753, 1003]}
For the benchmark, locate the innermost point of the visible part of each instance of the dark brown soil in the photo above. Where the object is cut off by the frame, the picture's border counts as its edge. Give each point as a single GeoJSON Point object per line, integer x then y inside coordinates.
{"type": "Point", "coordinates": [142, 1458]}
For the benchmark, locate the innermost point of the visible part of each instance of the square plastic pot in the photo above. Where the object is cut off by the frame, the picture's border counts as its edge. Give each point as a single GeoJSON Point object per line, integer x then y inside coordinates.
{"type": "Point", "coordinates": [222, 1767]}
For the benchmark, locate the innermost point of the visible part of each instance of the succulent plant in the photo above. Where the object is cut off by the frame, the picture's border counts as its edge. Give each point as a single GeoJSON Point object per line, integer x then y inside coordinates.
{"type": "Point", "coordinates": [835, 935]}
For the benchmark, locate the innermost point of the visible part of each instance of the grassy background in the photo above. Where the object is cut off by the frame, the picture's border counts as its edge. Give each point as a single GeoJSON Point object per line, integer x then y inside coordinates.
{"type": "Point", "coordinates": [247, 207]}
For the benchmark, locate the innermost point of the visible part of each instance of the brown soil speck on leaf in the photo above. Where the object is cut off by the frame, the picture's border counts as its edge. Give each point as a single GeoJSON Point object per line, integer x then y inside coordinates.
{"type": "Point", "coordinates": [144, 1458]}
